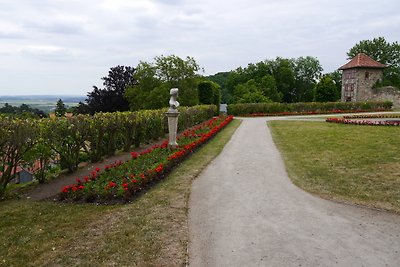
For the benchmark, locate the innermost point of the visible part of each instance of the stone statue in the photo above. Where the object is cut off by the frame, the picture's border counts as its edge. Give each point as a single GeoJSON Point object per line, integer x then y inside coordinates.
{"type": "Point", "coordinates": [172, 115]}
{"type": "Point", "coordinates": [173, 104]}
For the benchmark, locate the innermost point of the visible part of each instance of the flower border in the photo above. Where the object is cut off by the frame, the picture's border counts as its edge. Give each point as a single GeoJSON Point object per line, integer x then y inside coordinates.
{"type": "Point", "coordinates": [134, 184]}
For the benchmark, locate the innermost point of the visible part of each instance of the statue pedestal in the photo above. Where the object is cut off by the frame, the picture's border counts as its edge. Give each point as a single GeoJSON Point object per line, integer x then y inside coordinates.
{"type": "Point", "coordinates": [172, 128]}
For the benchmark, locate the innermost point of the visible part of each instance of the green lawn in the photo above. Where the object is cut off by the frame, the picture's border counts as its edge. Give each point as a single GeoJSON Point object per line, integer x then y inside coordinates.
{"type": "Point", "coordinates": [151, 231]}
{"type": "Point", "coordinates": [357, 164]}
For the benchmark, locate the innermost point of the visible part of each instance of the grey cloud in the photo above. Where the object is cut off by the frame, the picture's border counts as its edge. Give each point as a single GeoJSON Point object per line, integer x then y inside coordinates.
{"type": "Point", "coordinates": [55, 28]}
{"type": "Point", "coordinates": [48, 54]}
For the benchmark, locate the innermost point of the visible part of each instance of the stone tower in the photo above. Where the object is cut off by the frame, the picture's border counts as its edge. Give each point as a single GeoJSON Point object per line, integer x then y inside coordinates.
{"type": "Point", "coordinates": [359, 76]}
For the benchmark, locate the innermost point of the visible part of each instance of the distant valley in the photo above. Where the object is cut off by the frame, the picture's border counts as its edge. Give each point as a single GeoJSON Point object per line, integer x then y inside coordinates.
{"type": "Point", "coordinates": [45, 103]}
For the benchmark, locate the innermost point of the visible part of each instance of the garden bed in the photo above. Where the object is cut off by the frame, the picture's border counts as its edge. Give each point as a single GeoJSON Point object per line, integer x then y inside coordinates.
{"type": "Point", "coordinates": [121, 182]}
{"type": "Point", "coordinates": [371, 120]}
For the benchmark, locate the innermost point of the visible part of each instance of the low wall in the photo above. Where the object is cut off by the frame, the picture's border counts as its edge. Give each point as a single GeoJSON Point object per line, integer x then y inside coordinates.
{"type": "Point", "coordinates": [388, 93]}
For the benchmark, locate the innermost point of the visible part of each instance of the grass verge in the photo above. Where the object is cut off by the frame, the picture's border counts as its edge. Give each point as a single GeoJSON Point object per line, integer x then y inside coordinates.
{"type": "Point", "coordinates": [357, 164]}
{"type": "Point", "coordinates": [151, 231]}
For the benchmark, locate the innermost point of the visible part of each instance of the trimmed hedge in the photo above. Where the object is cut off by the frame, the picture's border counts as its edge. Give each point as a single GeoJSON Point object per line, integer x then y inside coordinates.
{"type": "Point", "coordinates": [94, 137]}
{"type": "Point", "coordinates": [267, 108]}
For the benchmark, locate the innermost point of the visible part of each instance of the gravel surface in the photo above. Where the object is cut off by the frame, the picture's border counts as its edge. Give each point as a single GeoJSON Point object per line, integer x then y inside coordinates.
{"type": "Point", "coordinates": [244, 211]}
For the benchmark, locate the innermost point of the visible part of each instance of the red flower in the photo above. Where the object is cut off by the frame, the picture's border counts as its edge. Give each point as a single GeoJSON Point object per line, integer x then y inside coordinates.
{"type": "Point", "coordinates": [65, 189]}
{"type": "Point", "coordinates": [97, 169]}
{"type": "Point", "coordinates": [159, 168]}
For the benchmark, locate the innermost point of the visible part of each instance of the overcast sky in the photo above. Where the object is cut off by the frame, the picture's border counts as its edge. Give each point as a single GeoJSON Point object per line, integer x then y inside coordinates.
{"type": "Point", "coordinates": [65, 46]}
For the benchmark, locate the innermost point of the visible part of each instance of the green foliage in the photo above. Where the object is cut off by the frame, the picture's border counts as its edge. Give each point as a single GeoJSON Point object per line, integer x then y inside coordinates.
{"type": "Point", "coordinates": [66, 136]}
{"type": "Point", "coordinates": [40, 156]}
{"type": "Point", "coordinates": [209, 93]}
{"type": "Point", "coordinates": [23, 111]}
{"type": "Point", "coordinates": [17, 137]}
{"type": "Point", "coordinates": [384, 52]}
{"type": "Point", "coordinates": [270, 89]}
{"type": "Point", "coordinates": [74, 139]}
{"type": "Point", "coordinates": [336, 76]}
{"type": "Point", "coordinates": [326, 90]}
{"type": "Point", "coordinates": [307, 71]}
{"type": "Point", "coordinates": [221, 78]}
{"type": "Point", "coordinates": [287, 80]}
{"type": "Point", "coordinates": [111, 98]}
{"type": "Point", "coordinates": [206, 93]}
{"type": "Point", "coordinates": [61, 109]}
{"type": "Point", "coordinates": [249, 92]}
{"type": "Point", "coordinates": [303, 107]}
{"type": "Point", "coordinates": [156, 79]}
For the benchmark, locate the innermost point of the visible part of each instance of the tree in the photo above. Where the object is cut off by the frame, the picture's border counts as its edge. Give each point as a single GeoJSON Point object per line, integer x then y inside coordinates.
{"type": "Point", "coordinates": [111, 98]}
{"type": "Point", "coordinates": [249, 92]}
{"type": "Point", "coordinates": [285, 80]}
{"type": "Point", "coordinates": [17, 137]}
{"type": "Point", "coordinates": [61, 109]}
{"type": "Point", "coordinates": [23, 111]}
{"type": "Point", "coordinates": [326, 90]}
{"type": "Point", "coordinates": [173, 69]}
{"type": "Point", "coordinates": [209, 93]}
{"type": "Point", "coordinates": [206, 92]}
{"type": "Point", "coordinates": [382, 51]}
{"type": "Point", "coordinates": [336, 76]}
{"type": "Point", "coordinates": [307, 71]}
{"type": "Point", "coordinates": [221, 78]}
{"type": "Point", "coordinates": [81, 108]}
{"type": "Point", "coordinates": [166, 72]}
{"type": "Point", "coordinates": [67, 136]}
{"type": "Point", "coordinates": [288, 80]}
{"type": "Point", "coordinates": [268, 85]}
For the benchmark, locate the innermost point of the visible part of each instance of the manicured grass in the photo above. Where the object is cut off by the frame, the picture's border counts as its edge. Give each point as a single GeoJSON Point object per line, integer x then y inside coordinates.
{"type": "Point", "coordinates": [151, 231]}
{"type": "Point", "coordinates": [357, 164]}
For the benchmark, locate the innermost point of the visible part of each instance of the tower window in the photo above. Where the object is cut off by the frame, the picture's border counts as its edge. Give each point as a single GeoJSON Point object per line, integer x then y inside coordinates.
{"type": "Point", "coordinates": [367, 75]}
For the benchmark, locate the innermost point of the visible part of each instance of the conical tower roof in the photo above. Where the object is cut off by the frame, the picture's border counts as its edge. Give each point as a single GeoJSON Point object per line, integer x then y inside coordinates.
{"type": "Point", "coordinates": [361, 60]}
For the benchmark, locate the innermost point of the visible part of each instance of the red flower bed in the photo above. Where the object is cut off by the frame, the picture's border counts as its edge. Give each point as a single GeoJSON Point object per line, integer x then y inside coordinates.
{"type": "Point", "coordinates": [120, 182]}
{"type": "Point", "coordinates": [287, 113]}
{"type": "Point", "coordinates": [372, 116]}
{"type": "Point", "coordinates": [363, 122]}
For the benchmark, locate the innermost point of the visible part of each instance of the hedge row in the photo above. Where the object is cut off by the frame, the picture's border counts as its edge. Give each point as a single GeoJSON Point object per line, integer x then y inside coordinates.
{"type": "Point", "coordinates": [79, 138]}
{"type": "Point", "coordinates": [268, 108]}
{"type": "Point", "coordinates": [123, 181]}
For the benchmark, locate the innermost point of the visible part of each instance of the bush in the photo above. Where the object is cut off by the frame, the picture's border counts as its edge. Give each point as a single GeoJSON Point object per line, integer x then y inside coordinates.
{"type": "Point", "coordinates": [83, 137]}
{"type": "Point", "coordinates": [305, 107]}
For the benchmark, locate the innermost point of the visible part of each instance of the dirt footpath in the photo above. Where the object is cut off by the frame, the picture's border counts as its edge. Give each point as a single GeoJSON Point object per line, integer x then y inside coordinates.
{"type": "Point", "coordinates": [244, 211]}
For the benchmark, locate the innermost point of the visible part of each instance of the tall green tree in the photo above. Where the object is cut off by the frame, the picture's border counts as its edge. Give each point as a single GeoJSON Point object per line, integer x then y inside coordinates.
{"type": "Point", "coordinates": [111, 98]}
{"type": "Point", "coordinates": [382, 51]}
{"type": "Point", "coordinates": [285, 80]}
{"type": "Point", "coordinates": [249, 92]}
{"type": "Point", "coordinates": [164, 73]}
{"type": "Point", "coordinates": [326, 90]}
{"type": "Point", "coordinates": [61, 109]}
{"type": "Point", "coordinates": [221, 78]}
{"type": "Point", "coordinates": [307, 71]}
{"type": "Point", "coordinates": [294, 79]}
{"type": "Point", "coordinates": [270, 89]}
{"type": "Point", "coordinates": [336, 76]}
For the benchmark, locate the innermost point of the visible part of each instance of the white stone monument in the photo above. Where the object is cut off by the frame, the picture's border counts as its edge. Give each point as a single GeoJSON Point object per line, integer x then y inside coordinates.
{"type": "Point", "coordinates": [172, 115]}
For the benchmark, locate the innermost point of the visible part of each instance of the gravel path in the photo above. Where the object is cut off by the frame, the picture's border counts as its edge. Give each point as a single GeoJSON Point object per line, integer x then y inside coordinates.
{"type": "Point", "coordinates": [244, 211]}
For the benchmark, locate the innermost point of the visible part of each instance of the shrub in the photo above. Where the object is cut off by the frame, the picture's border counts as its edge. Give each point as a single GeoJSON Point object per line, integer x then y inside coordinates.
{"type": "Point", "coordinates": [305, 107]}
